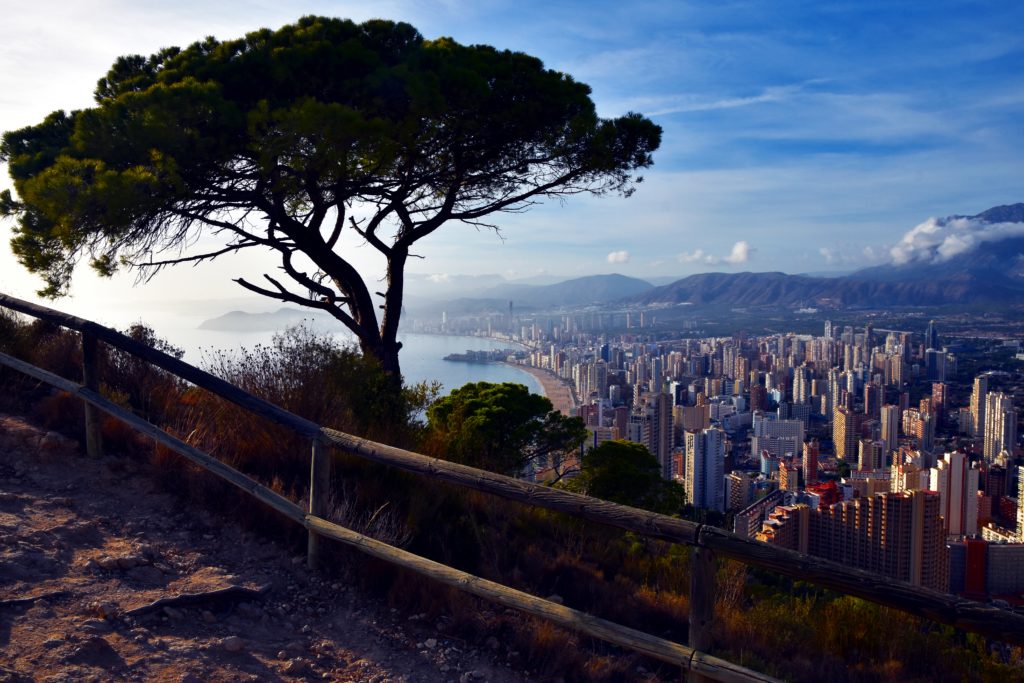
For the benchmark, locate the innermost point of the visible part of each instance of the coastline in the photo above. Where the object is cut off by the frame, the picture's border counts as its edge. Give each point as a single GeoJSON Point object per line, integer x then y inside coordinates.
{"type": "Point", "coordinates": [556, 389]}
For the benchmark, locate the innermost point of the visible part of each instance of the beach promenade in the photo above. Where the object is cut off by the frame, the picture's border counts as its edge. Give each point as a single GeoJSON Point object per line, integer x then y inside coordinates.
{"type": "Point", "coordinates": [555, 388]}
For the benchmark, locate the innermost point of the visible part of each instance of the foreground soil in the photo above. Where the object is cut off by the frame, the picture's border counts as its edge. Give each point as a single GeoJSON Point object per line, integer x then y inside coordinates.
{"type": "Point", "coordinates": [105, 577]}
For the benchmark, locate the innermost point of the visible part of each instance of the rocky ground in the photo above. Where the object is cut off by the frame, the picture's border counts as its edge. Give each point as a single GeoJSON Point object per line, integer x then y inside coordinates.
{"type": "Point", "coordinates": [105, 577]}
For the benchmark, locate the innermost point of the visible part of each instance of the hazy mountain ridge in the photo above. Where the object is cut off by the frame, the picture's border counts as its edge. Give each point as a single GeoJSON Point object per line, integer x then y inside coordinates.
{"type": "Point", "coordinates": [990, 273]}
{"type": "Point", "coordinates": [779, 289]}
{"type": "Point", "coordinates": [582, 291]}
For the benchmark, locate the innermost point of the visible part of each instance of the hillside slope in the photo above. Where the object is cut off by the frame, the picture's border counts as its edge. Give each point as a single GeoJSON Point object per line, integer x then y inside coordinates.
{"type": "Point", "coordinates": [88, 542]}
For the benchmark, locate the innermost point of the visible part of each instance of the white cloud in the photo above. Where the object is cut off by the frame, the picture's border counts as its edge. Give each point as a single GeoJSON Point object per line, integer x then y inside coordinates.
{"type": "Point", "coordinates": [694, 256]}
{"type": "Point", "coordinates": [690, 102]}
{"type": "Point", "coordinates": [439, 278]}
{"type": "Point", "coordinates": [873, 253]}
{"type": "Point", "coordinates": [739, 254]}
{"type": "Point", "coordinates": [618, 257]}
{"type": "Point", "coordinates": [851, 255]}
{"type": "Point", "coordinates": [940, 239]}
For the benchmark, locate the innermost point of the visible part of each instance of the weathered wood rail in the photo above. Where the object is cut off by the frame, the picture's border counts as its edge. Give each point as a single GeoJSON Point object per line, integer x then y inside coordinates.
{"type": "Point", "coordinates": [710, 542]}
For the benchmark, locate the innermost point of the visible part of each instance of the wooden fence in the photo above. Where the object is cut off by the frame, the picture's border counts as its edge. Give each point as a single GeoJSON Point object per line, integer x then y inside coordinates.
{"type": "Point", "coordinates": [709, 542]}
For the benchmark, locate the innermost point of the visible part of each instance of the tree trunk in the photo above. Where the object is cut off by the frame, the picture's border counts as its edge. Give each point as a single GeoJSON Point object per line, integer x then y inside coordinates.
{"type": "Point", "coordinates": [384, 353]}
{"type": "Point", "coordinates": [389, 358]}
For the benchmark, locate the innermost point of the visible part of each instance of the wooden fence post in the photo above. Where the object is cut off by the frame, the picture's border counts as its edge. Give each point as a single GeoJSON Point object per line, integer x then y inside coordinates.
{"type": "Point", "coordinates": [702, 603]}
{"type": "Point", "coordinates": [319, 488]}
{"type": "Point", "coordinates": [90, 378]}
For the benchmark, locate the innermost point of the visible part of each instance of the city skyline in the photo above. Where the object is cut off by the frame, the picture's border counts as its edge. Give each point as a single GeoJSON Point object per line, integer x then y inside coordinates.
{"type": "Point", "coordinates": [796, 139]}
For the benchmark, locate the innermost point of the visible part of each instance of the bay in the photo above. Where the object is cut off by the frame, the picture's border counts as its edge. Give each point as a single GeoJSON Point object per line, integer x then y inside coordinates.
{"type": "Point", "coordinates": [422, 355]}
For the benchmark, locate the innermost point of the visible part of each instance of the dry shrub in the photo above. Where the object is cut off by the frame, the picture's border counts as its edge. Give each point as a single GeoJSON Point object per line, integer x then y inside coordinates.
{"type": "Point", "coordinates": [61, 412]}
{"type": "Point", "coordinates": [731, 585]}
{"type": "Point", "coordinates": [55, 349]}
{"type": "Point", "coordinates": [385, 523]}
{"type": "Point", "coordinates": [611, 669]}
{"type": "Point", "coordinates": [308, 374]}
{"type": "Point", "coordinates": [205, 490]}
{"type": "Point", "coordinates": [547, 649]}
{"type": "Point", "coordinates": [666, 611]}
{"type": "Point", "coordinates": [150, 392]}
{"type": "Point", "coordinates": [243, 440]}
{"type": "Point", "coordinates": [14, 334]}
{"type": "Point", "coordinates": [170, 468]}
{"type": "Point", "coordinates": [415, 593]}
{"type": "Point", "coordinates": [119, 438]}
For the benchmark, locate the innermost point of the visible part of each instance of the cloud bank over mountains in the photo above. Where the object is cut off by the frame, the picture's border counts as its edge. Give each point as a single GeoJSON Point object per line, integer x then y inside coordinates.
{"type": "Point", "coordinates": [935, 241]}
{"type": "Point", "coordinates": [939, 239]}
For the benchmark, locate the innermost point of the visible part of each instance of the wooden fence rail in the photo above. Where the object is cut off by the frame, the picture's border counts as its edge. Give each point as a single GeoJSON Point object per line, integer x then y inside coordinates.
{"type": "Point", "coordinates": [999, 624]}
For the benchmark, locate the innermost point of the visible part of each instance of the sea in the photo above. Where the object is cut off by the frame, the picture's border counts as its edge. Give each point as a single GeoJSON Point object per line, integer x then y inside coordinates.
{"type": "Point", "coordinates": [421, 357]}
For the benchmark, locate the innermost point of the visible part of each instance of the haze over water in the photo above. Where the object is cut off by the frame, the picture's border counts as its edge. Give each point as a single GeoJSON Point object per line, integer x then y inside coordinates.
{"type": "Point", "coordinates": [422, 355]}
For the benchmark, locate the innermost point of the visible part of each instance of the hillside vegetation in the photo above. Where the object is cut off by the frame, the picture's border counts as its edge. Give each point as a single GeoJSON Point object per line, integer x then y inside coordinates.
{"type": "Point", "coordinates": [765, 622]}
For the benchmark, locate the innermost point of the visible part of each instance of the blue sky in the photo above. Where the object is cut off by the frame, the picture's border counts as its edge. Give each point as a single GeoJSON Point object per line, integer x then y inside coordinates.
{"type": "Point", "coordinates": [798, 136]}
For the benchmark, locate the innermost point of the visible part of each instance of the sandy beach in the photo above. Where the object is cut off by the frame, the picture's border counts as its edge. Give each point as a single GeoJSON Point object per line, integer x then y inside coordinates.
{"type": "Point", "coordinates": [555, 388]}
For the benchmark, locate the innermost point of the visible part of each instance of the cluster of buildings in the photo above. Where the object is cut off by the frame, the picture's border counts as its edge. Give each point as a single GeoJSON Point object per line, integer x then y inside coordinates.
{"type": "Point", "coordinates": [857, 446]}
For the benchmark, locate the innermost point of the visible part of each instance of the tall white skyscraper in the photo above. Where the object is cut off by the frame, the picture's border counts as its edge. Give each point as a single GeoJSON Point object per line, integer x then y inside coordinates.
{"type": "Point", "coordinates": [978, 405]}
{"type": "Point", "coordinates": [801, 384]}
{"type": "Point", "coordinates": [957, 484]}
{"type": "Point", "coordinates": [1020, 508]}
{"type": "Point", "coordinates": [1000, 425]}
{"type": "Point", "coordinates": [705, 467]}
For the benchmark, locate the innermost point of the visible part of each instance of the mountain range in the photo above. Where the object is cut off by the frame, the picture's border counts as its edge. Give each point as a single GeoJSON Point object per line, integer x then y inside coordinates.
{"type": "Point", "coordinates": [989, 272]}
{"type": "Point", "coordinates": [958, 260]}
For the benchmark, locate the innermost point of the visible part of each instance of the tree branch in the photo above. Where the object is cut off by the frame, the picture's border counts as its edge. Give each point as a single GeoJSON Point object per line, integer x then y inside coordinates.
{"type": "Point", "coordinates": [310, 283]}
{"type": "Point", "coordinates": [339, 224]}
{"type": "Point", "coordinates": [283, 294]}
{"type": "Point", "coordinates": [196, 259]}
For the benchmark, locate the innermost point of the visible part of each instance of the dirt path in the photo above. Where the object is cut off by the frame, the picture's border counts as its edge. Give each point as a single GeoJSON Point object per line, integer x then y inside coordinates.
{"type": "Point", "coordinates": [84, 544]}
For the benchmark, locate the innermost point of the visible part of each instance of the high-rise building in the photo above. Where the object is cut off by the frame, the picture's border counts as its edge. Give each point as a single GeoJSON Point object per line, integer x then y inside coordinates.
{"type": "Point", "coordinates": [789, 475]}
{"type": "Point", "coordinates": [811, 462]}
{"type": "Point", "coordinates": [939, 393]}
{"type": "Point", "coordinates": [845, 433]}
{"type": "Point", "coordinates": [657, 429]}
{"type": "Point", "coordinates": [935, 364]}
{"type": "Point", "coordinates": [833, 391]}
{"type": "Point", "coordinates": [870, 454]}
{"type": "Point", "coordinates": [872, 400]}
{"type": "Point", "coordinates": [705, 465]}
{"type": "Point", "coordinates": [1000, 425]}
{"type": "Point", "coordinates": [1020, 508]}
{"type": "Point", "coordinates": [890, 427]}
{"type": "Point", "coordinates": [957, 483]}
{"type": "Point", "coordinates": [925, 431]}
{"type": "Point", "coordinates": [801, 384]}
{"type": "Point", "coordinates": [978, 395]}
{"type": "Point", "coordinates": [899, 371]}
{"type": "Point", "coordinates": [777, 437]}
{"type": "Point", "coordinates": [696, 417]}
{"type": "Point", "coordinates": [931, 336]}
{"type": "Point", "coordinates": [899, 535]}
{"type": "Point", "coordinates": [758, 397]}
{"type": "Point", "coordinates": [741, 490]}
